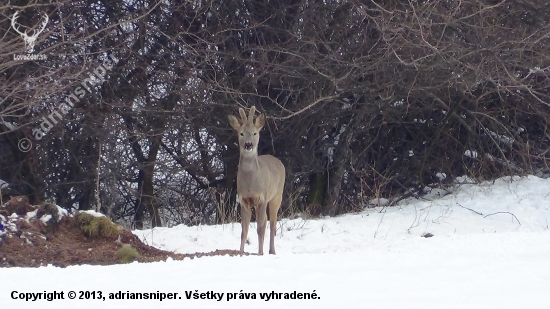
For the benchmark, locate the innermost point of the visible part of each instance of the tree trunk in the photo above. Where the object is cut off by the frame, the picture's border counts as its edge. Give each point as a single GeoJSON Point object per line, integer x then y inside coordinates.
{"type": "Point", "coordinates": [317, 193]}
{"type": "Point", "coordinates": [146, 197]}
{"type": "Point", "coordinates": [339, 166]}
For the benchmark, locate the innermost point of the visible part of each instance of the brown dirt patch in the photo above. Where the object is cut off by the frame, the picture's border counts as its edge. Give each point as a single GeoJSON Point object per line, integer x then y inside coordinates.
{"type": "Point", "coordinates": [35, 244]}
{"type": "Point", "coordinates": [17, 204]}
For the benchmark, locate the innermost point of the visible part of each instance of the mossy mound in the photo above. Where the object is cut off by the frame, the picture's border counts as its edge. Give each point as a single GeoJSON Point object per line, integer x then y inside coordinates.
{"type": "Point", "coordinates": [94, 226]}
{"type": "Point", "coordinates": [127, 254]}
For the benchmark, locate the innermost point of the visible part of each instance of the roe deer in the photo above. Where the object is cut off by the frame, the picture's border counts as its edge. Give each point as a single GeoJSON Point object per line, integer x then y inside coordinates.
{"type": "Point", "coordinates": [260, 179]}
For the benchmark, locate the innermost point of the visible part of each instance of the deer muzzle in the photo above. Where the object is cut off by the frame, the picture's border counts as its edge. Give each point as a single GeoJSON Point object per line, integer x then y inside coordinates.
{"type": "Point", "coordinates": [248, 146]}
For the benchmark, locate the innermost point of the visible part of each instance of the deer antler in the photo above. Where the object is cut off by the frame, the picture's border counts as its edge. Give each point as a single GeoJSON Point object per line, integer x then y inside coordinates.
{"type": "Point", "coordinates": [251, 114]}
{"type": "Point", "coordinates": [13, 24]}
{"type": "Point", "coordinates": [36, 32]}
{"type": "Point", "coordinates": [243, 115]}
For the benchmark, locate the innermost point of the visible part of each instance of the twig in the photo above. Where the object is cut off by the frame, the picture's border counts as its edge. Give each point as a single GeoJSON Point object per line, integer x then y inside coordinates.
{"type": "Point", "coordinates": [378, 227]}
{"type": "Point", "coordinates": [415, 218]}
{"type": "Point", "coordinates": [479, 213]}
{"type": "Point", "coordinates": [503, 212]}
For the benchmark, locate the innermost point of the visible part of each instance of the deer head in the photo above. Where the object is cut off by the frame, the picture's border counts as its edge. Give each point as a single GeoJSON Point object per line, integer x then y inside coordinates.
{"type": "Point", "coordinates": [248, 130]}
{"type": "Point", "coordinates": [29, 39]}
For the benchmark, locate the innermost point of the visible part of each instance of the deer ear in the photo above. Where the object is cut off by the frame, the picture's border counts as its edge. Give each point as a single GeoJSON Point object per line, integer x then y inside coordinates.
{"type": "Point", "coordinates": [260, 121]}
{"type": "Point", "coordinates": [234, 122]}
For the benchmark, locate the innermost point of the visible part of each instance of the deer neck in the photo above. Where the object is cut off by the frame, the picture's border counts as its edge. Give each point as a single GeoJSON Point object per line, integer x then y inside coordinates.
{"type": "Point", "coordinates": [248, 162]}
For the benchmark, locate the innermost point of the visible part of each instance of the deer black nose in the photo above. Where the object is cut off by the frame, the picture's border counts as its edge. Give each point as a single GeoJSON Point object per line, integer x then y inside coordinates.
{"type": "Point", "coordinates": [247, 146]}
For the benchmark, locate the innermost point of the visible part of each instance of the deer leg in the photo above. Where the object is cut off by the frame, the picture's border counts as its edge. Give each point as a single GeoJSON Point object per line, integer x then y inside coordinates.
{"type": "Point", "coordinates": [274, 205]}
{"type": "Point", "coordinates": [245, 223]}
{"type": "Point", "coordinates": [261, 221]}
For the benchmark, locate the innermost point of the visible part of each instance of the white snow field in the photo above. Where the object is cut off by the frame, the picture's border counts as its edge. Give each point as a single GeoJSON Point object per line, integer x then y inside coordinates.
{"type": "Point", "coordinates": [490, 249]}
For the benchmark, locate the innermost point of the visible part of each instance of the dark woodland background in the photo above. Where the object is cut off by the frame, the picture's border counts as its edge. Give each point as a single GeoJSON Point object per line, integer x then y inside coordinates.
{"type": "Point", "coordinates": [365, 99]}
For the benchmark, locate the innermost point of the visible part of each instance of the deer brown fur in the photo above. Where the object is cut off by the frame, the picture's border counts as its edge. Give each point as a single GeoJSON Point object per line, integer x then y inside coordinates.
{"type": "Point", "coordinates": [260, 179]}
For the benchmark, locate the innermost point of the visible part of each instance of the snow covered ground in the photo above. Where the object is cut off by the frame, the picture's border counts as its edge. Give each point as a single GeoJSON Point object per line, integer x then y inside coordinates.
{"type": "Point", "coordinates": [490, 249]}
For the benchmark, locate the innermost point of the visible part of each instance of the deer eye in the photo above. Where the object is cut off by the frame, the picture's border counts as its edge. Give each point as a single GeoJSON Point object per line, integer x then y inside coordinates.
{"type": "Point", "coordinates": [242, 134]}
{"type": "Point", "coordinates": [255, 133]}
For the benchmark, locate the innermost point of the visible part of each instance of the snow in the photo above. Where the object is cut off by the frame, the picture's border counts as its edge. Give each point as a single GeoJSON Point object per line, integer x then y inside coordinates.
{"type": "Point", "coordinates": [45, 219]}
{"type": "Point", "coordinates": [3, 184]}
{"type": "Point", "coordinates": [93, 213]}
{"type": "Point", "coordinates": [379, 202]}
{"type": "Point", "coordinates": [61, 212]}
{"type": "Point", "coordinates": [8, 227]}
{"type": "Point", "coordinates": [10, 125]}
{"type": "Point", "coordinates": [399, 103]}
{"type": "Point", "coordinates": [31, 214]}
{"type": "Point", "coordinates": [502, 138]}
{"type": "Point", "coordinates": [470, 153]}
{"type": "Point", "coordinates": [489, 250]}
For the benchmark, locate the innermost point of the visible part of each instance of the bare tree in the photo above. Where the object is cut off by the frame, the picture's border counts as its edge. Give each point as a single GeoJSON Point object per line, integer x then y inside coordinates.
{"type": "Point", "coordinates": [363, 99]}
